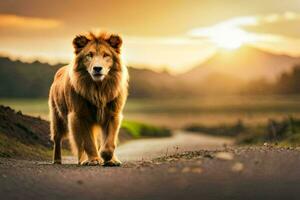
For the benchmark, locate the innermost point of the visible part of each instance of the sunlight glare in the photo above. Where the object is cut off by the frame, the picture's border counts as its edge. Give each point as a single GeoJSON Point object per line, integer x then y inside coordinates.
{"type": "Point", "coordinates": [227, 35]}
{"type": "Point", "coordinates": [229, 38]}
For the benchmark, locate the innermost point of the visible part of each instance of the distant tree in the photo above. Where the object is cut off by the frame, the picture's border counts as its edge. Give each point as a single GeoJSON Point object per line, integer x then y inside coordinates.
{"type": "Point", "coordinates": [19, 79]}
{"type": "Point", "coordinates": [289, 83]}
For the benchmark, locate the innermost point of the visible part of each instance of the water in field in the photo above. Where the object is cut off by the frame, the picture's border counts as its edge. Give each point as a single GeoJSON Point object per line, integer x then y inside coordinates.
{"type": "Point", "coordinates": [177, 113]}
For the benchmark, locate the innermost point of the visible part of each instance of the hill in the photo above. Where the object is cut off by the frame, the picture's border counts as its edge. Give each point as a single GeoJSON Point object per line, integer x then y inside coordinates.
{"type": "Point", "coordinates": [246, 63]}
{"type": "Point", "coordinates": [148, 83]}
{"type": "Point", "coordinates": [20, 79]}
{"type": "Point", "coordinates": [22, 135]}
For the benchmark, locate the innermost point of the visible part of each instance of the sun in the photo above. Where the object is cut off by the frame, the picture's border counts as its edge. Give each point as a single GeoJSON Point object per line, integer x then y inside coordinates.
{"type": "Point", "coordinates": [229, 38]}
{"type": "Point", "coordinates": [227, 35]}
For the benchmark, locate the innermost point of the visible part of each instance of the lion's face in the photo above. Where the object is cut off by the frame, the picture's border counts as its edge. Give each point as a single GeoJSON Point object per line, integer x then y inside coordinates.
{"type": "Point", "coordinates": [97, 54]}
{"type": "Point", "coordinates": [98, 60]}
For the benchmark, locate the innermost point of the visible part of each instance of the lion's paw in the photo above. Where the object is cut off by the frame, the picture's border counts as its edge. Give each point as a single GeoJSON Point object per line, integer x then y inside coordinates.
{"type": "Point", "coordinates": [112, 163]}
{"type": "Point", "coordinates": [107, 155]}
{"type": "Point", "coordinates": [93, 162]}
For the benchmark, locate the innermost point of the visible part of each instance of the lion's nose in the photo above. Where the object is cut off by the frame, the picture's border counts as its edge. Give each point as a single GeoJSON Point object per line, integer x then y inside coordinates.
{"type": "Point", "coordinates": [97, 69]}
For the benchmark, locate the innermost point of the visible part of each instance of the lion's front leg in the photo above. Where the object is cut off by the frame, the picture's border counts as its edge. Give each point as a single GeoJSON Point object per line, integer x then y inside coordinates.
{"type": "Point", "coordinates": [84, 140]}
{"type": "Point", "coordinates": [109, 142]}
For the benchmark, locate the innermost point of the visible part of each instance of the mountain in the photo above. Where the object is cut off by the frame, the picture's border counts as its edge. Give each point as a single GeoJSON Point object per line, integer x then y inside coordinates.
{"type": "Point", "coordinates": [148, 83]}
{"type": "Point", "coordinates": [246, 63]}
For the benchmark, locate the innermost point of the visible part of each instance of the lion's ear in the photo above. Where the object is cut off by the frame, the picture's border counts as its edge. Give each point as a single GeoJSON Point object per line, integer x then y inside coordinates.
{"type": "Point", "coordinates": [79, 42]}
{"type": "Point", "coordinates": [115, 41]}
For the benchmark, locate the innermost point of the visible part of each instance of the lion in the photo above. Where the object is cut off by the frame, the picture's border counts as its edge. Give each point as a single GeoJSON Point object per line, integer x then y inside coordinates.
{"type": "Point", "coordinates": [87, 98]}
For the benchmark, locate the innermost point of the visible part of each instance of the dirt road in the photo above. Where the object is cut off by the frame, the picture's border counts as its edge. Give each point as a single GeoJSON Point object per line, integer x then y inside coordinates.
{"type": "Point", "coordinates": [230, 173]}
{"type": "Point", "coordinates": [145, 149]}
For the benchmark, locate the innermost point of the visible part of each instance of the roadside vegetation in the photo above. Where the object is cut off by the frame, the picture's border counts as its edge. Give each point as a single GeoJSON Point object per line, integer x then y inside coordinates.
{"type": "Point", "coordinates": [284, 132]}
{"type": "Point", "coordinates": [139, 130]}
{"type": "Point", "coordinates": [11, 147]}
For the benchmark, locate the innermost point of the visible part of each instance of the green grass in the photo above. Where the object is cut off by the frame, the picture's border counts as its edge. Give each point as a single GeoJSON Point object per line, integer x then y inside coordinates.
{"type": "Point", "coordinates": [138, 130]}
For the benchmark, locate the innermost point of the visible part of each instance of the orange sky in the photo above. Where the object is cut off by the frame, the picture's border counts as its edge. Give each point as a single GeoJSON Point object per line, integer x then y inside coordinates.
{"type": "Point", "coordinates": [173, 34]}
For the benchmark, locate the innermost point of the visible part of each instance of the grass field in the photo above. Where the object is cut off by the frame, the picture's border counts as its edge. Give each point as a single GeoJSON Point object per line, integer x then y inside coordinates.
{"type": "Point", "coordinates": [176, 113]}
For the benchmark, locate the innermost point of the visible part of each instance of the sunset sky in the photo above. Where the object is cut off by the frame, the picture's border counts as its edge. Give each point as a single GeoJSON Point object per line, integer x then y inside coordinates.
{"type": "Point", "coordinates": [172, 34]}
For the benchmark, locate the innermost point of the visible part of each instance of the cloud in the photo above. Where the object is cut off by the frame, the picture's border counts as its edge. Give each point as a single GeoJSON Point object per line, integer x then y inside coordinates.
{"type": "Point", "coordinates": [284, 24]}
{"type": "Point", "coordinates": [254, 20]}
{"type": "Point", "coordinates": [22, 22]}
{"type": "Point", "coordinates": [249, 29]}
{"type": "Point", "coordinates": [278, 17]}
{"type": "Point", "coordinates": [246, 21]}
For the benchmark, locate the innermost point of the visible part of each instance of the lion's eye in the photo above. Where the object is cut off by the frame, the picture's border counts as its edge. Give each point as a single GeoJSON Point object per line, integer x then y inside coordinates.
{"type": "Point", "coordinates": [89, 55]}
{"type": "Point", "coordinates": [105, 55]}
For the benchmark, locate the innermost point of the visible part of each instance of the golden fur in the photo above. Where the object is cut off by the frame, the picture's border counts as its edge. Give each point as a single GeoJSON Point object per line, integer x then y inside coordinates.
{"type": "Point", "coordinates": [88, 104]}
